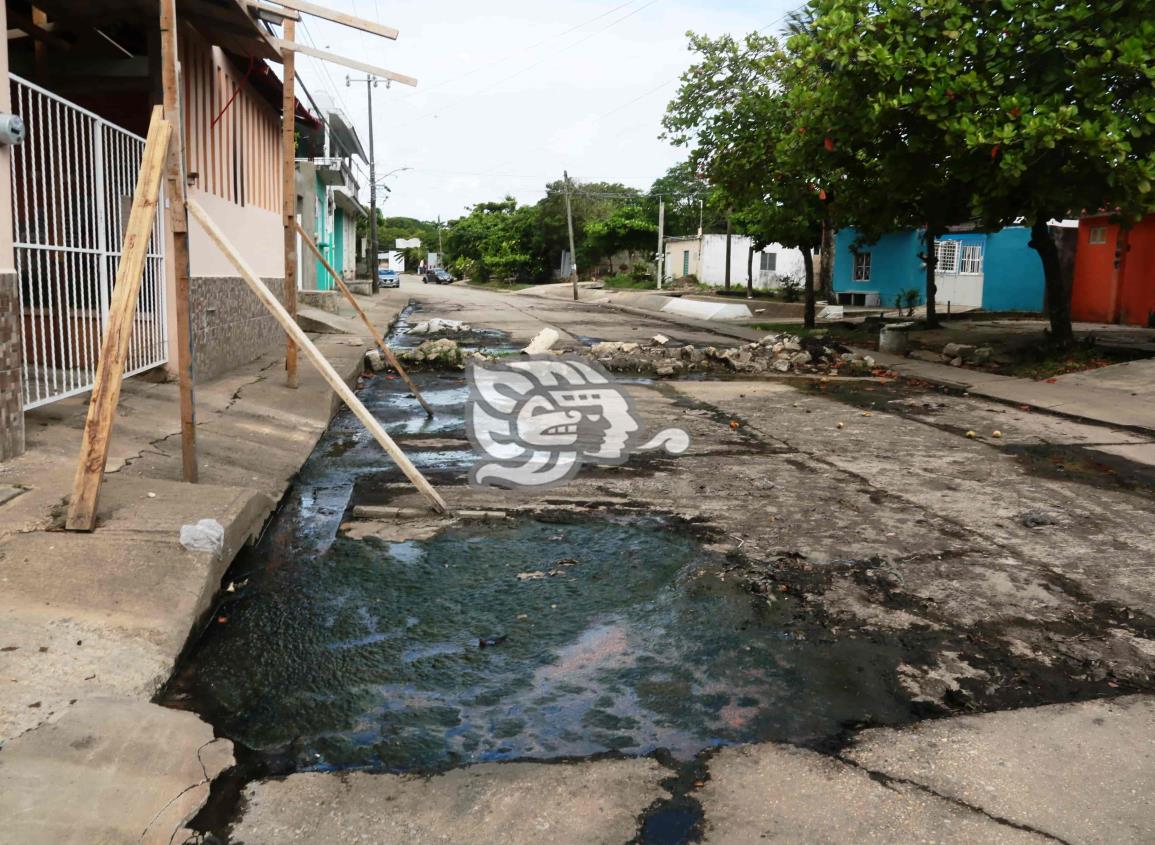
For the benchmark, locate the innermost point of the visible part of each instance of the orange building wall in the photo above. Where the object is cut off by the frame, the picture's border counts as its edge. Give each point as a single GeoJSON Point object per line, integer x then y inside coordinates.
{"type": "Point", "coordinates": [1092, 300]}
{"type": "Point", "coordinates": [1115, 281]}
{"type": "Point", "coordinates": [1137, 293]}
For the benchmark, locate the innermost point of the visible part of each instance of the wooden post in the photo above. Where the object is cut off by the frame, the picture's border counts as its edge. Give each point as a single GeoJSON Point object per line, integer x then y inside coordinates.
{"type": "Point", "coordinates": [297, 336]}
{"type": "Point", "coordinates": [289, 198]}
{"type": "Point", "coordinates": [118, 332]}
{"type": "Point", "coordinates": [381, 344]}
{"type": "Point", "coordinates": [178, 221]}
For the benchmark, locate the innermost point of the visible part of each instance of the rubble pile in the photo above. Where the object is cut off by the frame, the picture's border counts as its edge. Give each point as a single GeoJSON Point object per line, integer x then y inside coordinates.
{"type": "Point", "coordinates": [439, 326]}
{"type": "Point", "coordinates": [775, 353]}
{"type": "Point", "coordinates": [434, 353]}
{"type": "Point", "coordinates": [957, 354]}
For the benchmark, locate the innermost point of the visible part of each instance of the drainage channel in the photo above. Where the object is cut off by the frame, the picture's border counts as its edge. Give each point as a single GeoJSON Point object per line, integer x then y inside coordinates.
{"type": "Point", "coordinates": [546, 638]}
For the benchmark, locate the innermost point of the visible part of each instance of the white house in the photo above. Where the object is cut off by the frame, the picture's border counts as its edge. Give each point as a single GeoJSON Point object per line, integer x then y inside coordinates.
{"type": "Point", "coordinates": [704, 257]}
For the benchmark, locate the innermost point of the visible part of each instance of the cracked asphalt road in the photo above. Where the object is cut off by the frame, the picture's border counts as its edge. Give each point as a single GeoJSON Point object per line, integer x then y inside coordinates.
{"type": "Point", "coordinates": [1031, 647]}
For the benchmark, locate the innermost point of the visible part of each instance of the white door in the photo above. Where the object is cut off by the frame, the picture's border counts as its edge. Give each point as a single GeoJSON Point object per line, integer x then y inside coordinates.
{"type": "Point", "coordinates": [959, 289]}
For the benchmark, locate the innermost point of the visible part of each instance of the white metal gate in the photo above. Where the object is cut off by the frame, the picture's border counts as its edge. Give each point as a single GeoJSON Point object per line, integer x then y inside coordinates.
{"type": "Point", "coordinates": [72, 183]}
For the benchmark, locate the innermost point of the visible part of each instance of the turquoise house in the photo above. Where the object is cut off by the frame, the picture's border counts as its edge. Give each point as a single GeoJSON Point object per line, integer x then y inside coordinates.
{"type": "Point", "coordinates": [995, 271]}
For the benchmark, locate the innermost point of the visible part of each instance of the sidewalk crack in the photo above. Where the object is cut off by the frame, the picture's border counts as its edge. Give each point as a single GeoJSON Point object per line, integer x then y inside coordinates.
{"type": "Point", "coordinates": [889, 782]}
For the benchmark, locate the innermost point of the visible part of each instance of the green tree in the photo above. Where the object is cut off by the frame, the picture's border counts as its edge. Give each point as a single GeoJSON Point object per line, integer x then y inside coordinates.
{"type": "Point", "coordinates": [627, 227]}
{"type": "Point", "coordinates": [732, 111]}
{"type": "Point", "coordinates": [1027, 110]}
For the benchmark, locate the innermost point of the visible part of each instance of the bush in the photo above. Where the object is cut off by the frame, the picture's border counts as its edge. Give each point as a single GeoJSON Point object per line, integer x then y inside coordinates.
{"type": "Point", "coordinates": [629, 282]}
{"type": "Point", "coordinates": [908, 299]}
{"type": "Point", "coordinates": [791, 289]}
{"type": "Point", "coordinates": [641, 272]}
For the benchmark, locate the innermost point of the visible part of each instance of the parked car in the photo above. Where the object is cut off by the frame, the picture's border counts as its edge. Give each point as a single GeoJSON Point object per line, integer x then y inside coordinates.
{"type": "Point", "coordinates": [445, 276]}
{"type": "Point", "coordinates": [389, 278]}
{"type": "Point", "coordinates": [436, 276]}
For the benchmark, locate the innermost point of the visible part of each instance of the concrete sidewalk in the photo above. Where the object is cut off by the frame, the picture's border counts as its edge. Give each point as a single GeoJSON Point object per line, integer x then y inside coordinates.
{"type": "Point", "coordinates": [103, 617]}
{"type": "Point", "coordinates": [1104, 395]}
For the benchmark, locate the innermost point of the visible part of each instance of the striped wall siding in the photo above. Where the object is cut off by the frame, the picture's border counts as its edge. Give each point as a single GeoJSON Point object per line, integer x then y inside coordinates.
{"type": "Point", "coordinates": [238, 158]}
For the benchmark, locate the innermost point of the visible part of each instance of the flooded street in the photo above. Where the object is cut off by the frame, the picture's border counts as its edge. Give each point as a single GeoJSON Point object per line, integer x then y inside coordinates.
{"type": "Point", "coordinates": [546, 638]}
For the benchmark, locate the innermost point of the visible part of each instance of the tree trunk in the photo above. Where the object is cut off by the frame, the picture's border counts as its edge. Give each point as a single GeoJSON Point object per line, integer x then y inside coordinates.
{"type": "Point", "coordinates": [931, 288]}
{"type": "Point", "coordinates": [826, 268]}
{"type": "Point", "coordinates": [728, 232]}
{"type": "Point", "coordinates": [1058, 288]}
{"type": "Point", "coordinates": [750, 273]}
{"type": "Point", "coordinates": [808, 263]}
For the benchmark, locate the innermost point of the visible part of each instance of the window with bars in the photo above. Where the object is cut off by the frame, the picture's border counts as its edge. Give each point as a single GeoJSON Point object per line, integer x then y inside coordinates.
{"type": "Point", "coordinates": [972, 259]}
{"type": "Point", "coordinates": [862, 267]}
{"type": "Point", "coordinates": [946, 255]}
{"type": "Point", "coordinates": [769, 262]}
{"type": "Point", "coordinates": [1098, 235]}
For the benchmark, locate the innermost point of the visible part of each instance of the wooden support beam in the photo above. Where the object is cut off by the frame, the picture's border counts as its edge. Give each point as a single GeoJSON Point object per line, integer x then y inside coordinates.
{"type": "Point", "coordinates": [178, 222]}
{"type": "Point", "coordinates": [289, 196]}
{"type": "Point", "coordinates": [337, 17]}
{"type": "Point", "coordinates": [287, 45]}
{"type": "Point", "coordinates": [381, 344]}
{"type": "Point", "coordinates": [319, 361]}
{"type": "Point", "coordinates": [118, 332]}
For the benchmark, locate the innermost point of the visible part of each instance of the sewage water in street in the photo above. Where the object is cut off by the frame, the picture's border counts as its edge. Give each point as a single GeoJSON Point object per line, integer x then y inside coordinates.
{"type": "Point", "coordinates": [534, 638]}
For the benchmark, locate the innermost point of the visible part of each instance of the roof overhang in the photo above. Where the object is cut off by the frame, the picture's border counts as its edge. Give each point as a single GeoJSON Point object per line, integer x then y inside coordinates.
{"type": "Point", "coordinates": [347, 201]}
{"type": "Point", "coordinates": [345, 135]}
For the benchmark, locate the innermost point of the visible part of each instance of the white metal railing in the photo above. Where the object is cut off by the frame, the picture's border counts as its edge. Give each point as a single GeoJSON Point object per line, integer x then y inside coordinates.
{"type": "Point", "coordinates": [73, 179]}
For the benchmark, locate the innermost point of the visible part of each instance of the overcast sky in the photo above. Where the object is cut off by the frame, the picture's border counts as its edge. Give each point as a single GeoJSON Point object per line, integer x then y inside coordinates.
{"type": "Point", "coordinates": [512, 92]}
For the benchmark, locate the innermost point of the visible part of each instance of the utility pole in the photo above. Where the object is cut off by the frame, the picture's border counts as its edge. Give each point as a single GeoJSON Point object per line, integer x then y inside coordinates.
{"type": "Point", "coordinates": [370, 84]}
{"type": "Point", "coordinates": [569, 223]}
{"type": "Point", "coordinates": [440, 256]}
{"type": "Point", "coordinates": [661, 239]}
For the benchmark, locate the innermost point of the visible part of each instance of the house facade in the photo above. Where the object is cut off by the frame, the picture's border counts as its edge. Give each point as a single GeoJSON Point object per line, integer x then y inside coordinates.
{"type": "Point", "coordinates": [327, 188]}
{"type": "Point", "coordinates": [704, 257]}
{"type": "Point", "coordinates": [1115, 272]}
{"type": "Point", "coordinates": [66, 191]}
{"type": "Point", "coordinates": [995, 271]}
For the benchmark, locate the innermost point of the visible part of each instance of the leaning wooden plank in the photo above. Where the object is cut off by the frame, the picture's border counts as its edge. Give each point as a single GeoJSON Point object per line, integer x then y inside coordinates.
{"type": "Point", "coordinates": [339, 17]}
{"type": "Point", "coordinates": [325, 55]}
{"type": "Point", "coordinates": [121, 312]}
{"type": "Point", "coordinates": [323, 366]}
{"type": "Point", "coordinates": [381, 344]}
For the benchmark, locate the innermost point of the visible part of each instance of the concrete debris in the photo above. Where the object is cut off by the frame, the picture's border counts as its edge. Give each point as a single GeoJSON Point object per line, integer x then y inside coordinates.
{"type": "Point", "coordinates": [775, 353]}
{"type": "Point", "coordinates": [965, 353]}
{"type": "Point", "coordinates": [661, 339]}
{"type": "Point", "coordinates": [440, 326]}
{"type": "Point", "coordinates": [443, 352]}
{"type": "Point", "coordinates": [207, 535]}
{"type": "Point", "coordinates": [543, 341]}
{"type": "Point", "coordinates": [832, 312]}
{"type": "Point", "coordinates": [374, 360]}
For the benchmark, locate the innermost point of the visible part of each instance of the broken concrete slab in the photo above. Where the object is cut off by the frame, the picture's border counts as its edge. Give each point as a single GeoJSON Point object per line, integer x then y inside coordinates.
{"type": "Point", "coordinates": [506, 803]}
{"type": "Point", "coordinates": [777, 793]}
{"type": "Point", "coordinates": [698, 310]}
{"type": "Point", "coordinates": [1080, 772]}
{"type": "Point", "coordinates": [108, 771]}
